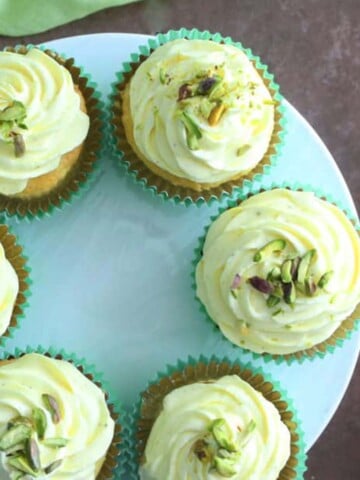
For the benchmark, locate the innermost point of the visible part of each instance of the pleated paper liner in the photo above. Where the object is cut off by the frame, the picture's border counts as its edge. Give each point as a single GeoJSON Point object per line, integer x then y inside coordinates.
{"type": "Point", "coordinates": [14, 254]}
{"type": "Point", "coordinates": [157, 184]}
{"type": "Point", "coordinates": [83, 170]}
{"type": "Point", "coordinates": [203, 369]}
{"type": "Point", "coordinates": [114, 464]}
{"type": "Point", "coordinates": [348, 325]}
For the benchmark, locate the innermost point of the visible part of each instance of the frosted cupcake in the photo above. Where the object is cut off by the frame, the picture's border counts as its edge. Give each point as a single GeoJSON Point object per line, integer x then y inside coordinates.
{"type": "Point", "coordinates": [54, 422]}
{"type": "Point", "coordinates": [45, 149]}
{"type": "Point", "coordinates": [213, 420]}
{"type": "Point", "coordinates": [199, 115]}
{"type": "Point", "coordinates": [280, 274]}
{"type": "Point", "coordinates": [13, 283]}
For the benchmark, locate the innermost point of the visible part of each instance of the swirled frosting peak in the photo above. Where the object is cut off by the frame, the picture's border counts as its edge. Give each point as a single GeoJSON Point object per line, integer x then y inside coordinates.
{"type": "Point", "coordinates": [280, 272]}
{"type": "Point", "coordinates": [201, 111]}
{"type": "Point", "coordinates": [54, 418]}
{"type": "Point", "coordinates": [52, 125]}
{"type": "Point", "coordinates": [9, 287]}
{"type": "Point", "coordinates": [211, 431]}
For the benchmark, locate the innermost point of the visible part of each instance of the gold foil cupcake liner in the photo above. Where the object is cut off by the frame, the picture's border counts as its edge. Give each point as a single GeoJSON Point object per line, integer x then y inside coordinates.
{"type": "Point", "coordinates": [151, 401]}
{"type": "Point", "coordinates": [13, 253]}
{"type": "Point", "coordinates": [347, 326]}
{"type": "Point", "coordinates": [111, 463]}
{"type": "Point", "coordinates": [160, 185]}
{"type": "Point", "coordinates": [79, 173]}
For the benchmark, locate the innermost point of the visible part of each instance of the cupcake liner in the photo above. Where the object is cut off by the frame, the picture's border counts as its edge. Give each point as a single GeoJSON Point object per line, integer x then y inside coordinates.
{"type": "Point", "coordinates": [158, 185]}
{"type": "Point", "coordinates": [194, 370]}
{"type": "Point", "coordinates": [84, 171]}
{"type": "Point", "coordinates": [114, 465]}
{"type": "Point", "coordinates": [343, 332]}
{"type": "Point", "coordinates": [14, 254]}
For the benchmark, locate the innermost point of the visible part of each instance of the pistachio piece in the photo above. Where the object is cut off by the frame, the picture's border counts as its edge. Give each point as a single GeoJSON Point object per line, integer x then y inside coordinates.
{"type": "Point", "coordinates": [206, 85]}
{"type": "Point", "coordinates": [272, 301]}
{"type": "Point", "coordinates": [55, 442]}
{"type": "Point", "coordinates": [193, 132]}
{"type": "Point", "coordinates": [15, 435]}
{"type": "Point", "coordinates": [294, 268]}
{"type": "Point", "coordinates": [39, 419]}
{"type": "Point", "coordinates": [184, 92]}
{"type": "Point", "coordinates": [225, 466]}
{"type": "Point", "coordinates": [16, 112]}
{"type": "Point", "coordinates": [324, 279]}
{"type": "Point", "coordinates": [19, 144]}
{"type": "Point", "coordinates": [289, 293]}
{"type": "Point", "coordinates": [21, 463]}
{"type": "Point", "coordinates": [261, 284]}
{"type": "Point", "coordinates": [274, 274]}
{"type": "Point", "coordinates": [310, 286]}
{"type": "Point", "coordinates": [286, 276]}
{"type": "Point", "coordinates": [16, 449]}
{"type": "Point", "coordinates": [304, 265]}
{"type": "Point", "coordinates": [52, 467]}
{"type": "Point", "coordinates": [243, 149]}
{"type": "Point", "coordinates": [162, 76]}
{"type": "Point", "coordinates": [20, 420]}
{"type": "Point", "coordinates": [216, 114]}
{"type": "Point", "coordinates": [222, 434]}
{"type": "Point", "coordinates": [52, 406]}
{"type": "Point", "coordinates": [33, 454]}
{"type": "Point", "coordinates": [202, 451]}
{"type": "Point", "coordinates": [251, 426]}
{"type": "Point", "coordinates": [274, 246]}
{"type": "Point", "coordinates": [236, 281]}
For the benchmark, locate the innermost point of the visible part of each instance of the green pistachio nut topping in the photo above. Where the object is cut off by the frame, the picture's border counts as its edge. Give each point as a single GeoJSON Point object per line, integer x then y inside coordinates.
{"type": "Point", "coordinates": [193, 132]}
{"type": "Point", "coordinates": [286, 268]}
{"type": "Point", "coordinates": [325, 279]}
{"type": "Point", "coordinates": [274, 274]}
{"type": "Point", "coordinates": [21, 463]}
{"type": "Point", "coordinates": [33, 454]}
{"type": "Point", "coordinates": [40, 422]}
{"type": "Point", "coordinates": [162, 76]}
{"type": "Point", "coordinates": [274, 246]}
{"type": "Point", "coordinates": [289, 293]}
{"type": "Point", "coordinates": [52, 406]}
{"type": "Point", "coordinates": [225, 467]}
{"type": "Point", "coordinates": [55, 442]}
{"type": "Point", "coordinates": [202, 451]}
{"type": "Point", "coordinates": [52, 467]}
{"type": "Point", "coordinates": [20, 420]}
{"type": "Point", "coordinates": [223, 434]}
{"type": "Point", "coordinates": [304, 266]}
{"type": "Point", "coordinates": [16, 112]}
{"type": "Point", "coordinates": [17, 434]}
{"type": "Point", "coordinates": [272, 300]}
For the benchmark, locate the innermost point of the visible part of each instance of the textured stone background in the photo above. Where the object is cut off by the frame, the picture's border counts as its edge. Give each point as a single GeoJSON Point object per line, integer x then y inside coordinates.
{"type": "Point", "coordinates": [312, 46]}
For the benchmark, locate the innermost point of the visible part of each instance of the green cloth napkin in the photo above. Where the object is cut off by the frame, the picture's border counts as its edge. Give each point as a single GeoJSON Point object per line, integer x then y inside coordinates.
{"type": "Point", "coordinates": [25, 17]}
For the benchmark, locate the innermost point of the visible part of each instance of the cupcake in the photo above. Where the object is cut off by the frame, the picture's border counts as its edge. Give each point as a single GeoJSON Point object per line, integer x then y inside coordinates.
{"type": "Point", "coordinates": [48, 130]}
{"type": "Point", "coordinates": [13, 283]}
{"type": "Point", "coordinates": [54, 421]}
{"type": "Point", "coordinates": [199, 117]}
{"type": "Point", "coordinates": [280, 273]}
{"type": "Point", "coordinates": [215, 420]}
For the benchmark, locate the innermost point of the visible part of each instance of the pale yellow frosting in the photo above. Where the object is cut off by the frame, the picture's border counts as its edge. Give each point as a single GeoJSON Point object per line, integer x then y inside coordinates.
{"type": "Point", "coordinates": [235, 145]}
{"type": "Point", "coordinates": [9, 287]}
{"type": "Point", "coordinates": [306, 223]}
{"type": "Point", "coordinates": [56, 125]}
{"type": "Point", "coordinates": [185, 418]}
{"type": "Point", "coordinates": [85, 419]}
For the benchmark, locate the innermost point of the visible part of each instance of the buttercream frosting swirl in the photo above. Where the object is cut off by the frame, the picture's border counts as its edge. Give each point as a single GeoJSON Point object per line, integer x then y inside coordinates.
{"type": "Point", "coordinates": [85, 420]}
{"type": "Point", "coordinates": [231, 146]}
{"type": "Point", "coordinates": [55, 123]}
{"type": "Point", "coordinates": [306, 223]}
{"type": "Point", "coordinates": [186, 417]}
{"type": "Point", "coordinates": [9, 287]}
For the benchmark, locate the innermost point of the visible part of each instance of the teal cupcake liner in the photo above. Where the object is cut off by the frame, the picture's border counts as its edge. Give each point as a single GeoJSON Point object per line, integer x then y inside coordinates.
{"type": "Point", "coordinates": [193, 370]}
{"type": "Point", "coordinates": [330, 345]}
{"type": "Point", "coordinates": [14, 254]}
{"type": "Point", "coordinates": [114, 465]}
{"type": "Point", "coordinates": [85, 171]}
{"type": "Point", "coordinates": [155, 184]}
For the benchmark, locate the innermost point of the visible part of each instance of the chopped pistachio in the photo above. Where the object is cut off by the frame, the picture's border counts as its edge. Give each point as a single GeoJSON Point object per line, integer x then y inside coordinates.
{"type": "Point", "coordinates": [310, 286]}
{"type": "Point", "coordinates": [56, 442]}
{"type": "Point", "coordinates": [222, 434]}
{"type": "Point", "coordinates": [15, 435]}
{"type": "Point", "coordinates": [289, 293]}
{"type": "Point", "coordinates": [20, 420]}
{"type": "Point", "coordinates": [162, 76]}
{"type": "Point", "coordinates": [243, 149]}
{"type": "Point", "coordinates": [52, 406]}
{"type": "Point", "coordinates": [233, 293]}
{"type": "Point", "coordinates": [52, 467]}
{"type": "Point", "coordinates": [207, 84]}
{"type": "Point", "coordinates": [19, 144]}
{"type": "Point", "coordinates": [236, 281]}
{"type": "Point", "coordinates": [278, 312]}
{"type": "Point", "coordinates": [193, 132]}
{"type": "Point", "coordinates": [274, 274]}
{"type": "Point", "coordinates": [272, 301]}
{"type": "Point", "coordinates": [251, 426]}
{"type": "Point", "coordinates": [261, 284]}
{"type": "Point", "coordinates": [324, 280]}
{"type": "Point", "coordinates": [202, 450]}
{"type": "Point", "coordinates": [271, 247]}
{"type": "Point", "coordinates": [33, 454]}
{"type": "Point", "coordinates": [216, 114]}
{"type": "Point", "coordinates": [225, 466]}
{"type": "Point", "coordinates": [286, 271]}
{"type": "Point", "coordinates": [21, 463]}
{"type": "Point", "coordinates": [40, 422]}
{"type": "Point", "coordinates": [304, 265]}
{"type": "Point", "coordinates": [16, 112]}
